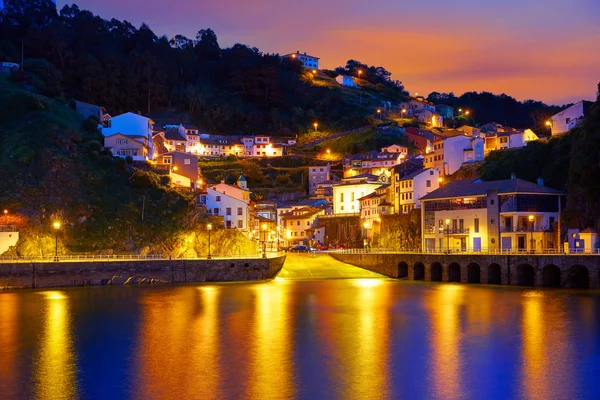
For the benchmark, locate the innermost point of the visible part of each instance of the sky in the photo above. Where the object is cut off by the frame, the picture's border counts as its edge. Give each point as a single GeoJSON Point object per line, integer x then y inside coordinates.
{"type": "Point", "coordinates": [546, 50]}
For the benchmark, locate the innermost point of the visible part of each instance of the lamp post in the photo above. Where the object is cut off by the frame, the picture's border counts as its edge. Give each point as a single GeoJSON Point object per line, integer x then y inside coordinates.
{"type": "Point", "coordinates": [278, 234]}
{"type": "Point", "coordinates": [209, 228]}
{"type": "Point", "coordinates": [379, 113]}
{"type": "Point", "coordinates": [56, 227]}
{"type": "Point", "coordinates": [549, 125]}
{"type": "Point", "coordinates": [5, 216]}
{"type": "Point", "coordinates": [263, 234]}
{"type": "Point", "coordinates": [448, 236]}
{"type": "Point", "coordinates": [531, 221]}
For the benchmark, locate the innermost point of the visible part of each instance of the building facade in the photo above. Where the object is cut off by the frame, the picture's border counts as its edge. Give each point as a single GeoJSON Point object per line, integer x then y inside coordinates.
{"type": "Point", "coordinates": [570, 117]}
{"type": "Point", "coordinates": [316, 175]}
{"type": "Point", "coordinates": [509, 215]}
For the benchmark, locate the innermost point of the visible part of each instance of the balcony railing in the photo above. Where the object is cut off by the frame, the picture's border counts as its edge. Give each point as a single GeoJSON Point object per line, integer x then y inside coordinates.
{"type": "Point", "coordinates": [450, 231]}
{"type": "Point", "coordinates": [525, 229]}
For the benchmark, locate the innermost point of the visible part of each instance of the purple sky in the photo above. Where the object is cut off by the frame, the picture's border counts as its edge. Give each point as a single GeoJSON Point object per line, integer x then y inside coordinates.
{"type": "Point", "coordinates": [543, 49]}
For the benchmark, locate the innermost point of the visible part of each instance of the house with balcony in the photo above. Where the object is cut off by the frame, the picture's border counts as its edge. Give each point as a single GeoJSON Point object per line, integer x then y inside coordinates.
{"type": "Point", "coordinates": [371, 163]}
{"type": "Point", "coordinates": [346, 194]}
{"type": "Point", "coordinates": [450, 153]}
{"type": "Point", "coordinates": [509, 139]}
{"type": "Point", "coordinates": [510, 215]}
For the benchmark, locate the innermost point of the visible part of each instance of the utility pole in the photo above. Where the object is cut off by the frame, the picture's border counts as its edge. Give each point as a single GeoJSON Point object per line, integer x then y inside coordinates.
{"type": "Point", "coordinates": [143, 207]}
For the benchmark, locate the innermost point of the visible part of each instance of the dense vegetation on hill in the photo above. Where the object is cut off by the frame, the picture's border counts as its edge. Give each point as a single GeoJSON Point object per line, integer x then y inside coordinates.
{"type": "Point", "coordinates": [570, 162]}
{"type": "Point", "coordinates": [503, 109]}
{"type": "Point", "coordinates": [114, 64]}
{"type": "Point", "coordinates": [77, 54]}
{"type": "Point", "coordinates": [53, 168]}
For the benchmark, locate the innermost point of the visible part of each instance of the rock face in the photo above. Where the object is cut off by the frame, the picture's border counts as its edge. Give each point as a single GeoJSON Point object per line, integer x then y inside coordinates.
{"type": "Point", "coordinates": [50, 274]}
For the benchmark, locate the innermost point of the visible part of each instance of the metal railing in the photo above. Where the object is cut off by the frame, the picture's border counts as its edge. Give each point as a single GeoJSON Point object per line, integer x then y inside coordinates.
{"type": "Point", "coordinates": [468, 251]}
{"type": "Point", "coordinates": [8, 228]}
{"type": "Point", "coordinates": [131, 257]}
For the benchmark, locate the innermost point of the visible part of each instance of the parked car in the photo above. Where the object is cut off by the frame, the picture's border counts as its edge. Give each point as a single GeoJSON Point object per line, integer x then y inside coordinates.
{"type": "Point", "coordinates": [299, 249]}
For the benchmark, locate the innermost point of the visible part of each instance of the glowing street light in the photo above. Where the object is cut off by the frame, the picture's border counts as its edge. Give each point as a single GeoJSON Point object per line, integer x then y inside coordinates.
{"type": "Point", "coordinates": [314, 71]}
{"type": "Point", "coordinates": [379, 113]}
{"type": "Point", "coordinates": [56, 227]}
{"type": "Point", "coordinates": [467, 112]}
{"type": "Point", "coordinates": [263, 237]}
{"type": "Point", "coordinates": [208, 228]}
{"type": "Point", "coordinates": [531, 218]}
{"type": "Point", "coordinates": [448, 236]}
{"type": "Point", "coordinates": [328, 151]}
{"type": "Point", "coordinates": [5, 216]}
{"type": "Point", "coordinates": [316, 125]}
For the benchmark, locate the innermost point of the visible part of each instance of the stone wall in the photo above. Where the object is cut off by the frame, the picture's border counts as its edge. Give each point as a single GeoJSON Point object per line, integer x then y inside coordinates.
{"type": "Point", "coordinates": [50, 274]}
{"type": "Point", "coordinates": [525, 270]}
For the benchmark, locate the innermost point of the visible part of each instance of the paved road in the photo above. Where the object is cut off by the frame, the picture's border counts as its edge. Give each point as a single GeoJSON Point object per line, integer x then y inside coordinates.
{"type": "Point", "coordinates": [320, 266]}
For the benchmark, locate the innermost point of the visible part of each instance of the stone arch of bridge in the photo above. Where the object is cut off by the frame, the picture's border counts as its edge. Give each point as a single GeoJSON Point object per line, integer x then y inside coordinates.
{"type": "Point", "coordinates": [525, 275]}
{"type": "Point", "coordinates": [577, 277]}
{"type": "Point", "coordinates": [437, 272]}
{"type": "Point", "coordinates": [473, 273]}
{"type": "Point", "coordinates": [551, 276]}
{"type": "Point", "coordinates": [494, 274]}
{"type": "Point", "coordinates": [418, 271]}
{"type": "Point", "coordinates": [454, 272]}
{"type": "Point", "coordinates": [402, 269]}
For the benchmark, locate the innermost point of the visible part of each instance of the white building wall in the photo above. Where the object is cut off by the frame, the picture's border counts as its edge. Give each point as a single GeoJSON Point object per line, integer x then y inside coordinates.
{"type": "Point", "coordinates": [222, 202]}
{"type": "Point", "coordinates": [453, 153]}
{"type": "Point", "coordinates": [563, 121]}
{"type": "Point", "coordinates": [345, 197]}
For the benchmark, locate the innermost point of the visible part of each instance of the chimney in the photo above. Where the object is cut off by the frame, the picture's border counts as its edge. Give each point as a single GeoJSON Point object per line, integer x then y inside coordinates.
{"type": "Point", "coordinates": [513, 176]}
{"type": "Point", "coordinates": [540, 181]}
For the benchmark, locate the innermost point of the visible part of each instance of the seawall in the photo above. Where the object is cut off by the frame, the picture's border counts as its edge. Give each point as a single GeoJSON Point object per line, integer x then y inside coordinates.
{"type": "Point", "coordinates": [82, 273]}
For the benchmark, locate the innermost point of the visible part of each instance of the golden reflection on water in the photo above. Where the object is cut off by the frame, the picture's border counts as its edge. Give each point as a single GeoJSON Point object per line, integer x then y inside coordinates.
{"type": "Point", "coordinates": [271, 338]}
{"type": "Point", "coordinates": [178, 345]}
{"type": "Point", "coordinates": [55, 369]}
{"type": "Point", "coordinates": [444, 310]}
{"type": "Point", "coordinates": [8, 344]}
{"type": "Point", "coordinates": [547, 357]}
{"type": "Point", "coordinates": [357, 341]}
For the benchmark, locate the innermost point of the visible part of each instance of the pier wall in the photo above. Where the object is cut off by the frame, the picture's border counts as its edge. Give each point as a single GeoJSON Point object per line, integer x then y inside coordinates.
{"type": "Point", "coordinates": [83, 273]}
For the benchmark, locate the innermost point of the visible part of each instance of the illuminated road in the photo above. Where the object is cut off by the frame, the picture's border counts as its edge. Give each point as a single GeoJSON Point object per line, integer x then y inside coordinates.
{"type": "Point", "coordinates": [320, 266]}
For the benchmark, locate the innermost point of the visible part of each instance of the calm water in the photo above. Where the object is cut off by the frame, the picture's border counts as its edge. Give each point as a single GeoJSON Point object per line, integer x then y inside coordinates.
{"type": "Point", "coordinates": [356, 338]}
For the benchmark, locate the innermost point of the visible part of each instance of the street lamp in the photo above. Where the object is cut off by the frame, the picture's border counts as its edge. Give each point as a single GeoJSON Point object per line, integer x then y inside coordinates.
{"type": "Point", "coordinates": [467, 112]}
{"type": "Point", "coordinates": [448, 236]}
{"type": "Point", "coordinates": [531, 221]}
{"type": "Point", "coordinates": [208, 228]}
{"type": "Point", "coordinates": [278, 234]}
{"type": "Point", "coordinates": [56, 227]}
{"type": "Point", "coordinates": [328, 151]}
{"type": "Point", "coordinates": [549, 124]}
{"type": "Point", "coordinates": [6, 216]}
{"type": "Point", "coordinates": [379, 113]}
{"type": "Point", "coordinates": [316, 125]}
{"type": "Point", "coordinates": [263, 234]}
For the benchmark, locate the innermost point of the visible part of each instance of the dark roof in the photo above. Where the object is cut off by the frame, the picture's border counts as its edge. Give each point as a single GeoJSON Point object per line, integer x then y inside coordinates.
{"type": "Point", "coordinates": [173, 134]}
{"type": "Point", "coordinates": [304, 212]}
{"type": "Point", "coordinates": [473, 187]}
{"type": "Point", "coordinates": [361, 176]}
{"type": "Point", "coordinates": [413, 174]}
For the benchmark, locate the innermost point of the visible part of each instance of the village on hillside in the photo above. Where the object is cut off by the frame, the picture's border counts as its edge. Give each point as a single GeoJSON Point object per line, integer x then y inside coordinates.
{"type": "Point", "coordinates": [406, 195]}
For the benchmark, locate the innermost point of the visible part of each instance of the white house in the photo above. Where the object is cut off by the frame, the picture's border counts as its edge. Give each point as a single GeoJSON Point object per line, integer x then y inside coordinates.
{"type": "Point", "coordinates": [230, 202]}
{"type": "Point", "coordinates": [346, 194]}
{"type": "Point", "coordinates": [307, 61]}
{"type": "Point", "coordinates": [345, 80]}
{"type": "Point", "coordinates": [133, 125]}
{"type": "Point", "coordinates": [414, 186]}
{"type": "Point", "coordinates": [261, 146]}
{"type": "Point", "coordinates": [570, 117]}
{"type": "Point", "coordinates": [449, 154]}
{"type": "Point", "coordinates": [471, 215]}
{"type": "Point", "coordinates": [508, 140]}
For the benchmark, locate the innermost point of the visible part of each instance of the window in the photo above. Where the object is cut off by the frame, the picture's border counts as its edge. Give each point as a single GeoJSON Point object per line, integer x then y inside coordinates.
{"type": "Point", "coordinates": [352, 196]}
{"type": "Point", "coordinates": [240, 211]}
{"type": "Point", "coordinates": [476, 227]}
{"type": "Point", "coordinates": [342, 198]}
{"type": "Point", "coordinates": [215, 211]}
{"type": "Point", "coordinates": [218, 198]}
{"type": "Point", "coordinates": [240, 223]}
{"type": "Point", "coordinates": [186, 161]}
{"type": "Point", "coordinates": [228, 224]}
{"type": "Point", "coordinates": [428, 183]}
{"type": "Point", "coordinates": [430, 172]}
{"type": "Point", "coordinates": [228, 211]}
{"type": "Point", "coordinates": [297, 223]}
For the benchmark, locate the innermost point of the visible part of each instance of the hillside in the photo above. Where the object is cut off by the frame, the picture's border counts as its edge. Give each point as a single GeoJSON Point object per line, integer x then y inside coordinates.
{"type": "Point", "coordinates": [53, 168]}
{"type": "Point", "coordinates": [570, 163]}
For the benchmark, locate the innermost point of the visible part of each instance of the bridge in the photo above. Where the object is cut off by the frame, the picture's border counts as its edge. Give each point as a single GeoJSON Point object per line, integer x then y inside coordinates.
{"type": "Point", "coordinates": [539, 270]}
